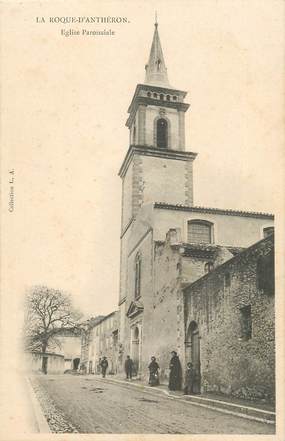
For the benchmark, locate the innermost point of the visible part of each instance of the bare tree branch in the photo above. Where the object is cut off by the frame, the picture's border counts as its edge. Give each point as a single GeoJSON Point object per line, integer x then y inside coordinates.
{"type": "Point", "coordinates": [48, 312]}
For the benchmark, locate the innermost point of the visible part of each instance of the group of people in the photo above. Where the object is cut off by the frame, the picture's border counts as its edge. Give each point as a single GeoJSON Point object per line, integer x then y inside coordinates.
{"type": "Point", "coordinates": [175, 376]}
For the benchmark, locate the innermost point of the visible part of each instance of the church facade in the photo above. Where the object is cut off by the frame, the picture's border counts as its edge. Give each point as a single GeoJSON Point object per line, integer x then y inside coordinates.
{"type": "Point", "coordinates": [167, 242]}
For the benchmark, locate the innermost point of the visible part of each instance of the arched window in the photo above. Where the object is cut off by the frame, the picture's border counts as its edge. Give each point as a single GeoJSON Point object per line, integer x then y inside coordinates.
{"type": "Point", "coordinates": [155, 95]}
{"type": "Point", "coordinates": [161, 133]}
{"type": "Point", "coordinates": [149, 94]}
{"type": "Point", "coordinates": [161, 96]}
{"type": "Point", "coordinates": [200, 231]}
{"type": "Point", "coordinates": [168, 97]}
{"type": "Point", "coordinates": [209, 266]}
{"type": "Point", "coordinates": [138, 276]}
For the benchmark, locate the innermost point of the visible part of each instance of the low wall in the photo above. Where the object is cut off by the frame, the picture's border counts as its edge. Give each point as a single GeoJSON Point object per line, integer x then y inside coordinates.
{"type": "Point", "coordinates": [54, 362]}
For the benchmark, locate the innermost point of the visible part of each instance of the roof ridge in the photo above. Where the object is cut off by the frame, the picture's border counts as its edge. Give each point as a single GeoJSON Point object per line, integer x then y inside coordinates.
{"type": "Point", "coordinates": [198, 208]}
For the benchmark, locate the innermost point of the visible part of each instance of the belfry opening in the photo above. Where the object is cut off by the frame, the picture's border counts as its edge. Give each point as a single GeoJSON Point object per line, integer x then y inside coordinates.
{"type": "Point", "coordinates": [162, 133]}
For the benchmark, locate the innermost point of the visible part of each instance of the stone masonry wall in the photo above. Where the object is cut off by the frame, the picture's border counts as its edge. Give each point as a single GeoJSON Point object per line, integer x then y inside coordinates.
{"type": "Point", "coordinates": [160, 314]}
{"type": "Point", "coordinates": [230, 362]}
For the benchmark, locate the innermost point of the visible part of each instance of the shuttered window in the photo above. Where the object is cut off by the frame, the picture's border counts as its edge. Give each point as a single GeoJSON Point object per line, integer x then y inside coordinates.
{"type": "Point", "coordinates": [199, 232]}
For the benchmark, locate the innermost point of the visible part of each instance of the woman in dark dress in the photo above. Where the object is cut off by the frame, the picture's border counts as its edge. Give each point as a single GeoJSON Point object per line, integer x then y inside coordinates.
{"type": "Point", "coordinates": [153, 372]}
{"type": "Point", "coordinates": [175, 376]}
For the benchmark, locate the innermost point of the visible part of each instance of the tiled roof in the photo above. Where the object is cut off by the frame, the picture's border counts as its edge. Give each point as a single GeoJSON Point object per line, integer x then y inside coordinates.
{"type": "Point", "coordinates": [180, 207]}
{"type": "Point", "coordinates": [235, 258]}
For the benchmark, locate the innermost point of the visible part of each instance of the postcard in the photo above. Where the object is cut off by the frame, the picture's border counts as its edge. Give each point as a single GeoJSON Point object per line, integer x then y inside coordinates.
{"type": "Point", "coordinates": [142, 281]}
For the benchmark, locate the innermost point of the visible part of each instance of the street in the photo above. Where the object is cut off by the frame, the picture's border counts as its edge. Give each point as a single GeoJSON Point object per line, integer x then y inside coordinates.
{"type": "Point", "coordinates": [94, 405]}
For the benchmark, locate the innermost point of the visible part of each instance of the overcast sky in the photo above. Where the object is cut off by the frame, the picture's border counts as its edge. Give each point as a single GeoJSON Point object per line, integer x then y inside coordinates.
{"type": "Point", "coordinates": [65, 105]}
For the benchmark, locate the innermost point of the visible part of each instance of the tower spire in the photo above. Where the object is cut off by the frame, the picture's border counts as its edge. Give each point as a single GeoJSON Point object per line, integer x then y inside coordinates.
{"type": "Point", "coordinates": [156, 71]}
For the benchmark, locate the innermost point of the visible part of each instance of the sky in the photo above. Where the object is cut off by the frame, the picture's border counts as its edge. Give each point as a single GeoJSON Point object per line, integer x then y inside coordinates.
{"type": "Point", "coordinates": [65, 102]}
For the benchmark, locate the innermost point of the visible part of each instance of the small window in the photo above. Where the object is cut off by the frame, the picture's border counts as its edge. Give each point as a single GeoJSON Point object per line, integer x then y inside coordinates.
{"type": "Point", "coordinates": [149, 94]}
{"type": "Point", "coordinates": [168, 97]}
{"type": "Point", "coordinates": [199, 232]}
{"type": "Point", "coordinates": [227, 280]}
{"type": "Point", "coordinates": [268, 231]}
{"type": "Point", "coordinates": [174, 98]}
{"type": "Point", "coordinates": [138, 276]}
{"type": "Point", "coordinates": [209, 266]}
{"type": "Point", "coordinates": [155, 95]}
{"type": "Point", "coordinates": [161, 96]}
{"type": "Point", "coordinates": [245, 323]}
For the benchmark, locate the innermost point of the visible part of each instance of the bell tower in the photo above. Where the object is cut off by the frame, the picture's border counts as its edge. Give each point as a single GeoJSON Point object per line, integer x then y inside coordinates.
{"type": "Point", "coordinates": [157, 109]}
{"type": "Point", "coordinates": [156, 167]}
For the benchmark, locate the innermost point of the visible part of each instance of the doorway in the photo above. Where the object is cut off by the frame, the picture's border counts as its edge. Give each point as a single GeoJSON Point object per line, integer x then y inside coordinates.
{"type": "Point", "coordinates": [192, 353]}
{"type": "Point", "coordinates": [135, 352]}
{"type": "Point", "coordinates": [76, 362]}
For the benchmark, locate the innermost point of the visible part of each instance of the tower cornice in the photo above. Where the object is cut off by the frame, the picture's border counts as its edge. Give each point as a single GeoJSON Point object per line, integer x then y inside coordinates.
{"type": "Point", "coordinates": [158, 89]}
{"type": "Point", "coordinates": [154, 152]}
{"type": "Point", "coordinates": [147, 101]}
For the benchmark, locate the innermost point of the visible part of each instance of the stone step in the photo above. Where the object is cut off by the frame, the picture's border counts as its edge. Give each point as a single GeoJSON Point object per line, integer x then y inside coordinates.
{"type": "Point", "coordinates": [252, 411]}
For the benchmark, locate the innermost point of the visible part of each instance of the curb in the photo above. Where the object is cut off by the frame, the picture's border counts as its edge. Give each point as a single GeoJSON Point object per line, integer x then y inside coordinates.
{"type": "Point", "coordinates": [246, 412]}
{"type": "Point", "coordinates": [40, 419]}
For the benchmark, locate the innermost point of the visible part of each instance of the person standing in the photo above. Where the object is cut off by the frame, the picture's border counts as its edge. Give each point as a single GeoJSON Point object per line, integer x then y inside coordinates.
{"type": "Point", "coordinates": [153, 372]}
{"type": "Point", "coordinates": [175, 376]}
{"type": "Point", "coordinates": [104, 366]}
{"type": "Point", "coordinates": [129, 367]}
{"type": "Point", "coordinates": [189, 379]}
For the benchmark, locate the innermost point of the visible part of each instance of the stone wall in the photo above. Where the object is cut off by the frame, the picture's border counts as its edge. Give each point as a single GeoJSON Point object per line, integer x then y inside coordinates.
{"type": "Point", "coordinates": [163, 319]}
{"type": "Point", "coordinates": [235, 359]}
{"type": "Point", "coordinates": [160, 333]}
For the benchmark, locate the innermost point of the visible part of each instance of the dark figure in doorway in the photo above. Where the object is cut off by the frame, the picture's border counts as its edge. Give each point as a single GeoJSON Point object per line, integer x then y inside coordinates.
{"type": "Point", "coordinates": [175, 376]}
{"type": "Point", "coordinates": [104, 365]}
{"type": "Point", "coordinates": [153, 372]}
{"type": "Point", "coordinates": [129, 367]}
{"type": "Point", "coordinates": [189, 379]}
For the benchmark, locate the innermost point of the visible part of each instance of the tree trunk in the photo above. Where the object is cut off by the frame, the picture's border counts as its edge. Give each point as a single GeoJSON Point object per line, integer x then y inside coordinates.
{"type": "Point", "coordinates": [44, 358]}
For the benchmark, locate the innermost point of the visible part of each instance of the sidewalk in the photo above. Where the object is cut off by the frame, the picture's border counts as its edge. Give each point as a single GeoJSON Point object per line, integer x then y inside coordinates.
{"type": "Point", "coordinates": [262, 412]}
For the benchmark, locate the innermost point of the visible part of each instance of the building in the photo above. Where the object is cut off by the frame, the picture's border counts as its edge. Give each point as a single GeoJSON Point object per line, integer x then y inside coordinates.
{"type": "Point", "coordinates": [229, 325]}
{"type": "Point", "coordinates": [101, 339]}
{"type": "Point", "coordinates": [63, 353]}
{"type": "Point", "coordinates": [86, 332]}
{"type": "Point", "coordinates": [166, 241]}
{"type": "Point", "coordinates": [69, 345]}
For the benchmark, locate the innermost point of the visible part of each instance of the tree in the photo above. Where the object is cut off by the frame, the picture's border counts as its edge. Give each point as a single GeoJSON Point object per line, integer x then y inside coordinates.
{"type": "Point", "coordinates": [48, 312]}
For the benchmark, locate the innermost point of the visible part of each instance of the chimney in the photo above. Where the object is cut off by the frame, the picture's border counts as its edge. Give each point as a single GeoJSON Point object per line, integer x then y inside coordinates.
{"type": "Point", "coordinates": [173, 236]}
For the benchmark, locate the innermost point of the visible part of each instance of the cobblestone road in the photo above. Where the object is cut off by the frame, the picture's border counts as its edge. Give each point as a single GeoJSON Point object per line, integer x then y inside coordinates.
{"type": "Point", "coordinates": [92, 405]}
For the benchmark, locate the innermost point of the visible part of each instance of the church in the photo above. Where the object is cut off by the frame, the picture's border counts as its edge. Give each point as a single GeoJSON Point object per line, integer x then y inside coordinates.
{"type": "Point", "coordinates": [168, 243]}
